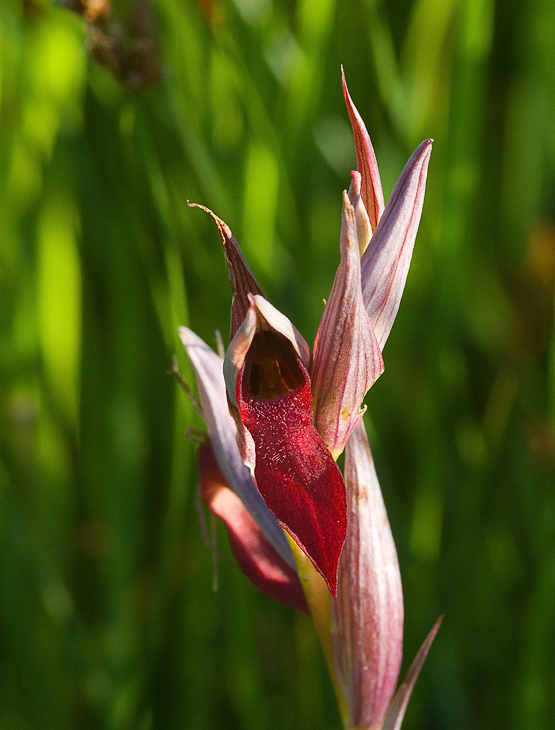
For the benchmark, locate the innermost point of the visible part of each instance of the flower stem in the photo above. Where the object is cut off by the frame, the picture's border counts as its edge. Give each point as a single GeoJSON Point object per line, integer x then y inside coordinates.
{"type": "Point", "coordinates": [318, 598]}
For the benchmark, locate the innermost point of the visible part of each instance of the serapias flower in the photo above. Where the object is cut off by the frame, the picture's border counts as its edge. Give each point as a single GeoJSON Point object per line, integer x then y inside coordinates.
{"type": "Point", "coordinates": [279, 415]}
{"type": "Point", "coordinates": [294, 409]}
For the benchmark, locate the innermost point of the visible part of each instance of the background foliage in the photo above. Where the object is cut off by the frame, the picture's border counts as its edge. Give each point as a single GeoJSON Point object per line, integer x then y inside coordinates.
{"type": "Point", "coordinates": [107, 615]}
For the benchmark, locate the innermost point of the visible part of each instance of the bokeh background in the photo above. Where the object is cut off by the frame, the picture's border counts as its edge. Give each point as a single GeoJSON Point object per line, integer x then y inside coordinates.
{"type": "Point", "coordinates": [108, 618]}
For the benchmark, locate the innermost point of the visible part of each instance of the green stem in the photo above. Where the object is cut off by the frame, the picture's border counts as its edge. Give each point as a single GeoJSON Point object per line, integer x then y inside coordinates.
{"type": "Point", "coordinates": [318, 598]}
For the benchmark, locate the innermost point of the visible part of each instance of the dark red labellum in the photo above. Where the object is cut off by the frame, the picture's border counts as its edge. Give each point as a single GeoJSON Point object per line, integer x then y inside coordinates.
{"type": "Point", "coordinates": [294, 471]}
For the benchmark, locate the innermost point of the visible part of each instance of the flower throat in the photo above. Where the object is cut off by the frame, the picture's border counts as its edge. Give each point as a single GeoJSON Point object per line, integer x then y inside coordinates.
{"type": "Point", "coordinates": [271, 368]}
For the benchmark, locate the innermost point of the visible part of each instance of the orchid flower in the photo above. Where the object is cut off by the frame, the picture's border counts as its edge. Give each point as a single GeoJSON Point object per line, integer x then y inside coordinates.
{"type": "Point", "coordinates": [279, 414]}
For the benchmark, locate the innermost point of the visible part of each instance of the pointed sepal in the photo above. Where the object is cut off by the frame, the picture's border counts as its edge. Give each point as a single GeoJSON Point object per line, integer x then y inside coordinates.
{"type": "Point", "coordinates": [256, 557]}
{"type": "Point", "coordinates": [371, 186]}
{"type": "Point", "coordinates": [398, 706]}
{"type": "Point", "coordinates": [385, 263]}
{"type": "Point", "coordinates": [241, 278]}
{"type": "Point", "coordinates": [346, 358]}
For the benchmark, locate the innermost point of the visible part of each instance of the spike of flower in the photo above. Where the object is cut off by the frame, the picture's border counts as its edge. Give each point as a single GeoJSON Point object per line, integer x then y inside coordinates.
{"type": "Point", "coordinates": [289, 426]}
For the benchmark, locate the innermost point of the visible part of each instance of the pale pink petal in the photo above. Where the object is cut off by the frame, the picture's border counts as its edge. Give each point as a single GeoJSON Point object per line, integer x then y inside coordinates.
{"type": "Point", "coordinates": [208, 368]}
{"type": "Point", "coordinates": [371, 187]}
{"type": "Point", "coordinates": [398, 706]}
{"type": "Point", "coordinates": [347, 359]}
{"type": "Point", "coordinates": [385, 263]}
{"type": "Point", "coordinates": [367, 615]}
{"type": "Point", "coordinates": [241, 278]}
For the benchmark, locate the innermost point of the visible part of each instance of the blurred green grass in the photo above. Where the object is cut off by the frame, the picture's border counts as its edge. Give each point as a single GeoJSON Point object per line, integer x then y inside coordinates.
{"type": "Point", "coordinates": [107, 615]}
